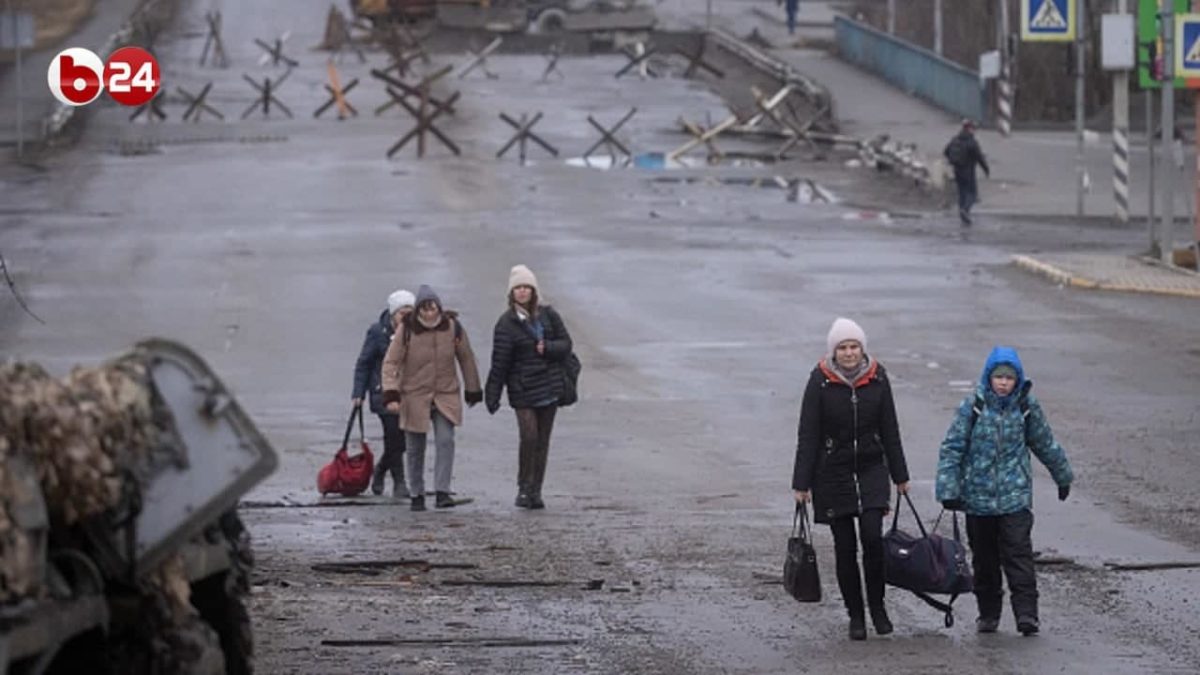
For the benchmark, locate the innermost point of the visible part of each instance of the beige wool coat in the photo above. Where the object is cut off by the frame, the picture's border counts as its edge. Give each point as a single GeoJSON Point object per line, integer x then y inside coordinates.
{"type": "Point", "coordinates": [419, 371]}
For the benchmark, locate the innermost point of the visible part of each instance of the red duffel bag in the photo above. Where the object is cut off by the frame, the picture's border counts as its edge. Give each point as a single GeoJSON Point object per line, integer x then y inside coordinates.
{"type": "Point", "coordinates": [348, 475]}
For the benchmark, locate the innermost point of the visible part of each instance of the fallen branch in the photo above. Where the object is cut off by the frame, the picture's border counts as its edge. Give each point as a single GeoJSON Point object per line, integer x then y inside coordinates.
{"type": "Point", "coordinates": [13, 288]}
{"type": "Point", "coordinates": [1150, 567]}
{"type": "Point", "coordinates": [1053, 560]}
{"type": "Point", "coordinates": [504, 583]}
{"type": "Point", "coordinates": [451, 642]}
{"type": "Point", "coordinates": [375, 566]}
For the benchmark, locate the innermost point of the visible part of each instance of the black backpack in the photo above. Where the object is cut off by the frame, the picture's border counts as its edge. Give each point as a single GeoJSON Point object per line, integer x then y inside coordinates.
{"type": "Point", "coordinates": [956, 151]}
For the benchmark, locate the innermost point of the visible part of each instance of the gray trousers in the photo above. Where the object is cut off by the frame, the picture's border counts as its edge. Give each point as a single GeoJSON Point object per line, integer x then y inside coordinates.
{"type": "Point", "coordinates": [414, 456]}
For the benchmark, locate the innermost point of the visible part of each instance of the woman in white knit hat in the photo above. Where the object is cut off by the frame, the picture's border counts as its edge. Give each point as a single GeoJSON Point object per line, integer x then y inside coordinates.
{"type": "Point", "coordinates": [367, 381]}
{"type": "Point", "coordinates": [529, 347]}
{"type": "Point", "coordinates": [848, 446]}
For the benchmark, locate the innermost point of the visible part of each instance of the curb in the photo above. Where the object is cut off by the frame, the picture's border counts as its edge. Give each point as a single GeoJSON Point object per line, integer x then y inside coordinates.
{"type": "Point", "coordinates": [1055, 274]}
{"type": "Point", "coordinates": [1065, 278]}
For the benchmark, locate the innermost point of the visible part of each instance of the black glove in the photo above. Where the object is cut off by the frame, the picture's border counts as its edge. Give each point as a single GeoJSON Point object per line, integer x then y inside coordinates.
{"type": "Point", "coordinates": [953, 504]}
{"type": "Point", "coordinates": [473, 397]}
{"type": "Point", "coordinates": [1063, 492]}
{"type": "Point", "coordinates": [492, 407]}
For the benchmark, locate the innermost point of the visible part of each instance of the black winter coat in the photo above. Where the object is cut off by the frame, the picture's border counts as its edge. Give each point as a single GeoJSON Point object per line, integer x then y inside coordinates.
{"type": "Point", "coordinates": [369, 367]}
{"type": "Point", "coordinates": [532, 379]}
{"type": "Point", "coordinates": [848, 443]}
{"type": "Point", "coordinates": [965, 149]}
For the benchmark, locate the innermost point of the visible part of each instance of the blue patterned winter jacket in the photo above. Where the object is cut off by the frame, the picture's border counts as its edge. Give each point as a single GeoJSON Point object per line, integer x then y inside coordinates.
{"type": "Point", "coordinates": [990, 472]}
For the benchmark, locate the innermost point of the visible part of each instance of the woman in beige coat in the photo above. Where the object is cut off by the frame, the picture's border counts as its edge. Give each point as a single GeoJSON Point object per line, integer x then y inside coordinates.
{"type": "Point", "coordinates": [420, 383]}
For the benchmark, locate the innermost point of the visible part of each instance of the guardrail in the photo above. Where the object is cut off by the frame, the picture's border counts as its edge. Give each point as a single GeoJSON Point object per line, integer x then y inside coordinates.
{"type": "Point", "coordinates": [916, 70]}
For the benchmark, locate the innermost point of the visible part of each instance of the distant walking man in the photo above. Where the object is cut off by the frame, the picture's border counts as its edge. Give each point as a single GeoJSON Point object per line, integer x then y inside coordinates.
{"type": "Point", "coordinates": [792, 7]}
{"type": "Point", "coordinates": [963, 153]}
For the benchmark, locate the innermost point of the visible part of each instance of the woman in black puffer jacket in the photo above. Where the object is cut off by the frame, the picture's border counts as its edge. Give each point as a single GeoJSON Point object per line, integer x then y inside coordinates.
{"type": "Point", "coordinates": [529, 346]}
{"type": "Point", "coordinates": [848, 446]}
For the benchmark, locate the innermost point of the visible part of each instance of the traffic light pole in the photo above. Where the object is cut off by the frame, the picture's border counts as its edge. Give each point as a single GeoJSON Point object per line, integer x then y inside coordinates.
{"type": "Point", "coordinates": [1167, 230]}
{"type": "Point", "coordinates": [1080, 55]}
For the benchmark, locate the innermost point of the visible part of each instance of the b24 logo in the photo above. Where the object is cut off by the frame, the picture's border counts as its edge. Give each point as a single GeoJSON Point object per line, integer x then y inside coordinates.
{"type": "Point", "coordinates": [77, 76]}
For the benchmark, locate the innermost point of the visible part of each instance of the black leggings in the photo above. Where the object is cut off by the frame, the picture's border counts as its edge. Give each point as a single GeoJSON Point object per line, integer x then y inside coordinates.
{"type": "Point", "coordinates": [534, 426]}
{"type": "Point", "coordinates": [845, 546]}
{"type": "Point", "coordinates": [392, 460]}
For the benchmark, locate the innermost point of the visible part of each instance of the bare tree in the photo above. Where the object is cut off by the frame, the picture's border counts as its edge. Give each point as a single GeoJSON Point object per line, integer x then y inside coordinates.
{"type": "Point", "coordinates": [13, 287]}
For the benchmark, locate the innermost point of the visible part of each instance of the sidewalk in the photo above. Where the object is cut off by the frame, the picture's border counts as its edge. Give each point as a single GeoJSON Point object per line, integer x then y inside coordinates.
{"type": "Point", "coordinates": [1033, 173]}
{"type": "Point", "coordinates": [1111, 273]}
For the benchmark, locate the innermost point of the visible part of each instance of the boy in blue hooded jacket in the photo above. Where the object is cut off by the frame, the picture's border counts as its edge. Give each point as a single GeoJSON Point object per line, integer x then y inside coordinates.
{"type": "Point", "coordinates": [984, 470]}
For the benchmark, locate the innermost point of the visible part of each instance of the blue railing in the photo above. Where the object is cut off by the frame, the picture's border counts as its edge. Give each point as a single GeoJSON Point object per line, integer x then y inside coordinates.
{"type": "Point", "coordinates": [914, 69]}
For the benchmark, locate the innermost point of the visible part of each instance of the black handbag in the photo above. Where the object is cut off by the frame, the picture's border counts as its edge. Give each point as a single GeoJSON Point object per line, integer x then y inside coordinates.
{"type": "Point", "coordinates": [800, 575]}
{"type": "Point", "coordinates": [570, 374]}
{"type": "Point", "coordinates": [928, 564]}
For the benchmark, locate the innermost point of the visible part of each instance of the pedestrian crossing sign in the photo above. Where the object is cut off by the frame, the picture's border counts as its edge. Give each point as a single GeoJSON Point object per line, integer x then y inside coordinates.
{"type": "Point", "coordinates": [1048, 20]}
{"type": "Point", "coordinates": [1187, 40]}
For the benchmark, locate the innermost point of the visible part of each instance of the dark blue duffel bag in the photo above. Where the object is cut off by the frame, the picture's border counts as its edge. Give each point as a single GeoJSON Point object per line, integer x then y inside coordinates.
{"type": "Point", "coordinates": [928, 564]}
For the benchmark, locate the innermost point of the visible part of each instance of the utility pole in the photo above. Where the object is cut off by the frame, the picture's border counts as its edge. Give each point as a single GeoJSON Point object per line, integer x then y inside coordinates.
{"type": "Point", "coordinates": [16, 38]}
{"type": "Point", "coordinates": [1196, 214]}
{"type": "Point", "coordinates": [1004, 99]}
{"type": "Point", "coordinates": [1080, 55]}
{"type": "Point", "coordinates": [1167, 231]}
{"type": "Point", "coordinates": [891, 17]}
{"type": "Point", "coordinates": [1121, 135]}
{"type": "Point", "coordinates": [937, 27]}
{"type": "Point", "coordinates": [708, 15]}
{"type": "Point", "coordinates": [1151, 193]}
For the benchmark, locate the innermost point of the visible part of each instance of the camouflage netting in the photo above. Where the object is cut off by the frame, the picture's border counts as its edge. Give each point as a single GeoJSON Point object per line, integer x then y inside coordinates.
{"type": "Point", "coordinates": [88, 436]}
{"type": "Point", "coordinates": [20, 551]}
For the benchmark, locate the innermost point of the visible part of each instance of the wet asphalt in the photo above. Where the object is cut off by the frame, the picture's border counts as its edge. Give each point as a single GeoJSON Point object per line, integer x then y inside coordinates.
{"type": "Point", "coordinates": [698, 310]}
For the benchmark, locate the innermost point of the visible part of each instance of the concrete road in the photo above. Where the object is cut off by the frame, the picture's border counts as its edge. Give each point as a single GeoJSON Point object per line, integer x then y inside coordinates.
{"type": "Point", "coordinates": [698, 310]}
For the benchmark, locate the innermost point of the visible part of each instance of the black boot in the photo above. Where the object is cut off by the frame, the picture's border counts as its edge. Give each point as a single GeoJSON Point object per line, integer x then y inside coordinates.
{"type": "Point", "coordinates": [377, 479]}
{"type": "Point", "coordinates": [523, 501]}
{"type": "Point", "coordinates": [418, 503]}
{"type": "Point", "coordinates": [987, 624]}
{"type": "Point", "coordinates": [858, 627]}
{"type": "Point", "coordinates": [1027, 625]}
{"type": "Point", "coordinates": [445, 501]}
{"type": "Point", "coordinates": [883, 625]}
{"type": "Point", "coordinates": [535, 499]}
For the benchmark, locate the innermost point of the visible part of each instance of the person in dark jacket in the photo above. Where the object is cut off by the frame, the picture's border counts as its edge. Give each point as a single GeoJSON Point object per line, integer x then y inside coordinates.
{"type": "Point", "coordinates": [963, 153]}
{"type": "Point", "coordinates": [793, 8]}
{"type": "Point", "coordinates": [367, 381]}
{"type": "Point", "coordinates": [529, 345]}
{"type": "Point", "coordinates": [985, 470]}
{"type": "Point", "coordinates": [848, 446]}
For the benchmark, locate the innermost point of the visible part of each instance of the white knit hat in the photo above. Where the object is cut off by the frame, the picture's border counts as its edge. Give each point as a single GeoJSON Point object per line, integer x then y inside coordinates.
{"type": "Point", "coordinates": [521, 276]}
{"type": "Point", "coordinates": [842, 330]}
{"type": "Point", "coordinates": [400, 298]}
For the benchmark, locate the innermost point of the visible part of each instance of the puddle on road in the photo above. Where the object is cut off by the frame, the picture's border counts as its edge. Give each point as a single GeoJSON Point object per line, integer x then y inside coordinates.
{"type": "Point", "coordinates": [659, 161]}
{"type": "Point", "coordinates": [802, 190]}
{"type": "Point", "coordinates": [656, 161]}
